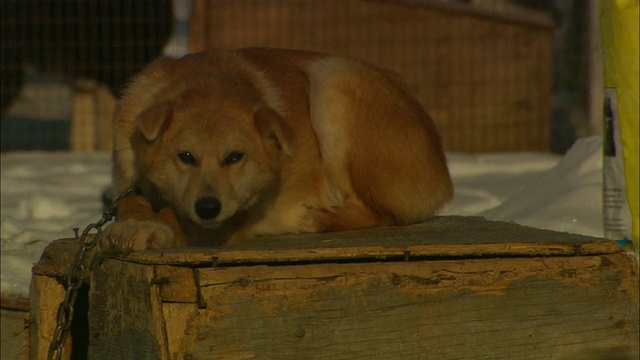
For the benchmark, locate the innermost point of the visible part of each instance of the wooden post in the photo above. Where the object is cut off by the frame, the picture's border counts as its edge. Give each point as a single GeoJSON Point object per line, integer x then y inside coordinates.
{"type": "Point", "coordinates": [46, 295]}
{"type": "Point", "coordinates": [93, 106]}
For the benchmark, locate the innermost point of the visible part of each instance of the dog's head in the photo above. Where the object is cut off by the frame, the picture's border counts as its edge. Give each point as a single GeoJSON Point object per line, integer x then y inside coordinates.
{"type": "Point", "coordinates": [211, 156]}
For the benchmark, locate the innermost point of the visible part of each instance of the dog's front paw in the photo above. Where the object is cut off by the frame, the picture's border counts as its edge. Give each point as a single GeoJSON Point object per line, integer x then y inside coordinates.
{"type": "Point", "coordinates": [134, 235]}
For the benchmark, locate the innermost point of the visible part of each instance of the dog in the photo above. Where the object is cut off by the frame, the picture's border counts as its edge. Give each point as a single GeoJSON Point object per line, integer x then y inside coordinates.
{"type": "Point", "coordinates": [227, 145]}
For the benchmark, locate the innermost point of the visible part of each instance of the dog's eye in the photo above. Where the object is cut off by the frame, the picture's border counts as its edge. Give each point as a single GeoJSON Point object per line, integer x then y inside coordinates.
{"type": "Point", "coordinates": [233, 157]}
{"type": "Point", "coordinates": [187, 158]}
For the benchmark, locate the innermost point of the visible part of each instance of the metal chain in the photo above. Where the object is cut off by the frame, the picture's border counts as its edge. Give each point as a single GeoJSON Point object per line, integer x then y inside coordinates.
{"type": "Point", "coordinates": [76, 276]}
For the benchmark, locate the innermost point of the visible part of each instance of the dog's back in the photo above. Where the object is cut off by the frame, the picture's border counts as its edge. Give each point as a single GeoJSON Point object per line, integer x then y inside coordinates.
{"type": "Point", "coordinates": [379, 148]}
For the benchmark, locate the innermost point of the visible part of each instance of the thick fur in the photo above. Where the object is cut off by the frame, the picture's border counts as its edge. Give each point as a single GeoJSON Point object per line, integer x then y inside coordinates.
{"type": "Point", "coordinates": [283, 141]}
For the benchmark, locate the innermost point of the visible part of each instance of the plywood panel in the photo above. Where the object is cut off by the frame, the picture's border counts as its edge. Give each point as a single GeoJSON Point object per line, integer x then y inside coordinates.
{"type": "Point", "coordinates": [451, 56]}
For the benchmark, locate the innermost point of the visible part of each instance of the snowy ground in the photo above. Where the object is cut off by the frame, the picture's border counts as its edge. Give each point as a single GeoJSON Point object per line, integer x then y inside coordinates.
{"type": "Point", "coordinates": [46, 195]}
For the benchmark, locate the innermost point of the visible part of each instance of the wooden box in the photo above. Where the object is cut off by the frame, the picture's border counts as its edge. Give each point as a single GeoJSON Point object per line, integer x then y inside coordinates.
{"type": "Point", "coordinates": [483, 73]}
{"type": "Point", "coordinates": [451, 288]}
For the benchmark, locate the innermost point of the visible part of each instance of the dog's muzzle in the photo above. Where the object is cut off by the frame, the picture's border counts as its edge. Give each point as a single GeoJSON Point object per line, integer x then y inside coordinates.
{"type": "Point", "coordinates": [208, 207]}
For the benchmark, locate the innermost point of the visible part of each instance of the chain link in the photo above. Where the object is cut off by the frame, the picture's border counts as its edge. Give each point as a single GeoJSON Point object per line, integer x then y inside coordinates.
{"type": "Point", "coordinates": [76, 276]}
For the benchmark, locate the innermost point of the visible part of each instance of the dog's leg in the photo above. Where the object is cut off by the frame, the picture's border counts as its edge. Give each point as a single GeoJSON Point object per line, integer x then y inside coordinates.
{"type": "Point", "coordinates": [138, 227]}
{"type": "Point", "coordinates": [378, 145]}
{"type": "Point", "coordinates": [349, 216]}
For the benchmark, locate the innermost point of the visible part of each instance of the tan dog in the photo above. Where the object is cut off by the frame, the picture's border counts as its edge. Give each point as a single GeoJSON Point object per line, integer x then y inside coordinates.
{"type": "Point", "coordinates": [226, 145]}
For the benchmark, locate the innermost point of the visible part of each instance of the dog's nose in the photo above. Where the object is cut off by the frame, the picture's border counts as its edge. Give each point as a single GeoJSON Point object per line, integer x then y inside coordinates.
{"type": "Point", "coordinates": [208, 207]}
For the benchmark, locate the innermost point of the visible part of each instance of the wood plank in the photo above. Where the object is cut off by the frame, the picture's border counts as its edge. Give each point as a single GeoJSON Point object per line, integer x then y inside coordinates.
{"type": "Point", "coordinates": [57, 257]}
{"type": "Point", "coordinates": [197, 26]}
{"type": "Point", "coordinates": [503, 12]}
{"type": "Point", "coordinates": [539, 308]}
{"type": "Point", "coordinates": [176, 284]}
{"type": "Point", "coordinates": [125, 319]}
{"type": "Point", "coordinates": [46, 294]}
{"type": "Point", "coordinates": [83, 124]}
{"type": "Point", "coordinates": [441, 237]}
{"type": "Point", "coordinates": [178, 318]}
{"type": "Point", "coordinates": [14, 302]}
{"type": "Point", "coordinates": [105, 105]}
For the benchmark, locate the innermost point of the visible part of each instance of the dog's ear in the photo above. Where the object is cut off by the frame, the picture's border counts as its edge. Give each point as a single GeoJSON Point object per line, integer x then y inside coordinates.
{"type": "Point", "coordinates": [274, 130]}
{"type": "Point", "coordinates": [154, 120]}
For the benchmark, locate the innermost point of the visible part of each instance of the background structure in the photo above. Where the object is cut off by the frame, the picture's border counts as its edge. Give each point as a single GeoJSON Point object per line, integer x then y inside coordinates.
{"type": "Point", "coordinates": [496, 75]}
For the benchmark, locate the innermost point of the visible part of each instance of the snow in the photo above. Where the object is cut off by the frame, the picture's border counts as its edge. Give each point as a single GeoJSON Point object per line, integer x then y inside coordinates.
{"type": "Point", "coordinates": [46, 195]}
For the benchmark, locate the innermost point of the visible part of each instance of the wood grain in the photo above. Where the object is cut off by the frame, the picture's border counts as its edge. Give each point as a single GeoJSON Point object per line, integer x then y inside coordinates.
{"type": "Point", "coordinates": [450, 288]}
{"type": "Point", "coordinates": [441, 237]}
{"type": "Point", "coordinates": [438, 238]}
{"type": "Point", "coordinates": [539, 308]}
{"type": "Point", "coordinates": [46, 294]}
{"type": "Point", "coordinates": [126, 314]}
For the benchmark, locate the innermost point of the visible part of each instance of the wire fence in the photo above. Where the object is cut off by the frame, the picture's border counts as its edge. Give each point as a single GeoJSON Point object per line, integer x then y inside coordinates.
{"type": "Point", "coordinates": [496, 75]}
